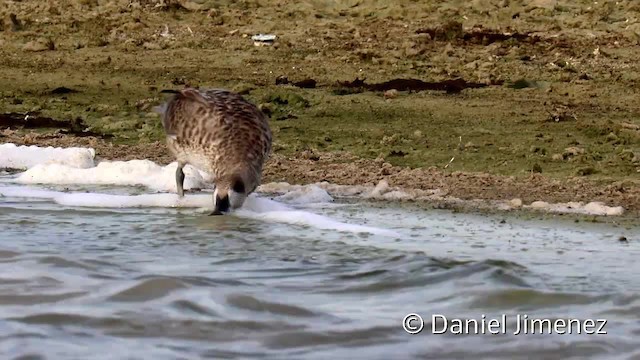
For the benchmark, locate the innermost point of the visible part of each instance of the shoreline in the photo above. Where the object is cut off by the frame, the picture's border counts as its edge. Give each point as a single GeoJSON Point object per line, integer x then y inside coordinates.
{"type": "Point", "coordinates": [343, 174]}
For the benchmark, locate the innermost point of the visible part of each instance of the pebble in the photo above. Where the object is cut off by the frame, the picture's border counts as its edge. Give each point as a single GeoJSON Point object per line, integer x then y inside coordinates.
{"type": "Point", "coordinates": [391, 94]}
{"type": "Point", "coordinates": [516, 203]}
{"type": "Point", "coordinates": [40, 44]}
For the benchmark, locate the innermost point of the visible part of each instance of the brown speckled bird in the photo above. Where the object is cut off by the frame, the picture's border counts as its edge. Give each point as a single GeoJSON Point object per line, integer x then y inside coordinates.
{"type": "Point", "coordinates": [221, 133]}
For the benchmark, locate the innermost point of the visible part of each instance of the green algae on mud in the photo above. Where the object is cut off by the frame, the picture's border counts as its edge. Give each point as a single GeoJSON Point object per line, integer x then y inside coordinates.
{"type": "Point", "coordinates": [583, 120]}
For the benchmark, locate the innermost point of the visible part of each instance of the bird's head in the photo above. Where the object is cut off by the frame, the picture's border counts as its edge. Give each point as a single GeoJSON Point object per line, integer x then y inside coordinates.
{"type": "Point", "coordinates": [230, 193]}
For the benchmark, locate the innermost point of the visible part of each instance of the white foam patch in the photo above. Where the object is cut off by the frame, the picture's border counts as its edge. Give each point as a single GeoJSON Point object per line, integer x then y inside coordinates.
{"type": "Point", "coordinates": [134, 201]}
{"type": "Point", "coordinates": [25, 157]}
{"type": "Point", "coordinates": [592, 208]}
{"type": "Point", "coordinates": [270, 210]}
{"type": "Point", "coordinates": [123, 173]}
{"type": "Point", "coordinates": [258, 204]}
{"type": "Point", "coordinates": [108, 200]}
{"type": "Point", "coordinates": [254, 207]}
{"type": "Point", "coordinates": [252, 203]}
{"type": "Point", "coordinates": [382, 191]}
{"type": "Point", "coordinates": [304, 195]}
{"type": "Point", "coordinates": [25, 192]}
{"type": "Point", "coordinates": [305, 218]}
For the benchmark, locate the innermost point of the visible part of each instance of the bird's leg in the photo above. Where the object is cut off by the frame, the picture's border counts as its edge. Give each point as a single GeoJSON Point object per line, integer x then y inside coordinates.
{"type": "Point", "coordinates": [180, 179]}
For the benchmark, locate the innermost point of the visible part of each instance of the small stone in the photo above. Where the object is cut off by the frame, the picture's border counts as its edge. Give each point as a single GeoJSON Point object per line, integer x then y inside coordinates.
{"type": "Point", "coordinates": [515, 203]}
{"type": "Point", "coordinates": [381, 188]}
{"type": "Point", "coordinates": [310, 155]}
{"type": "Point", "coordinates": [448, 50]}
{"type": "Point", "coordinates": [470, 146]}
{"type": "Point", "coordinates": [623, 239]}
{"type": "Point", "coordinates": [557, 157]}
{"type": "Point", "coordinates": [537, 168]}
{"type": "Point", "coordinates": [391, 94]}
{"type": "Point", "coordinates": [390, 140]}
{"type": "Point", "coordinates": [573, 151]}
{"type": "Point", "coordinates": [539, 204]}
{"type": "Point", "coordinates": [627, 155]}
{"type": "Point", "coordinates": [612, 137]}
{"type": "Point", "coordinates": [630, 126]}
{"type": "Point", "coordinates": [151, 46]}
{"type": "Point", "coordinates": [41, 44]}
{"type": "Point", "coordinates": [586, 171]}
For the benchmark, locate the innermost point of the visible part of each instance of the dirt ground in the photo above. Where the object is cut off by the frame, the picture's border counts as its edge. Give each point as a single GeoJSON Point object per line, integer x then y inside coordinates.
{"type": "Point", "coordinates": [533, 99]}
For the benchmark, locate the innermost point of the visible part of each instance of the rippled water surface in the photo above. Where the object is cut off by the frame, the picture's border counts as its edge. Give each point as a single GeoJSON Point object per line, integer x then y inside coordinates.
{"type": "Point", "coordinates": [161, 283]}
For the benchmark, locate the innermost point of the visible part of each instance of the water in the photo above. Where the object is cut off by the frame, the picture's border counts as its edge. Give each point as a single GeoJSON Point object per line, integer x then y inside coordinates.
{"type": "Point", "coordinates": [79, 282]}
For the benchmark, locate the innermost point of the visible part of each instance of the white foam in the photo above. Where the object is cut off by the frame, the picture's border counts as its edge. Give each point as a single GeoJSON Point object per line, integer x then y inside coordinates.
{"type": "Point", "coordinates": [304, 195]}
{"type": "Point", "coordinates": [123, 173]}
{"type": "Point", "coordinates": [252, 203]}
{"type": "Point", "coordinates": [598, 208]}
{"type": "Point", "coordinates": [25, 192]}
{"type": "Point", "coordinates": [109, 200]}
{"type": "Point", "coordinates": [592, 208]}
{"type": "Point", "coordinates": [134, 201]}
{"type": "Point", "coordinates": [25, 157]}
{"type": "Point", "coordinates": [314, 220]}
{"type": "Point", "coordinates": [270, 210]}
{"type": "Point", "coordinates": [255, 207]}
{"type": "Point", "coordinates": [259, 204]}
{"type": "Point", "coordinates": [382, 191]}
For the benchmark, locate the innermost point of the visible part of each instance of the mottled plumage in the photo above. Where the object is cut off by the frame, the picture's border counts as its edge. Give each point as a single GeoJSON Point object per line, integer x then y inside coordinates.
{"type": "Point", "coordinates": [221, 133]}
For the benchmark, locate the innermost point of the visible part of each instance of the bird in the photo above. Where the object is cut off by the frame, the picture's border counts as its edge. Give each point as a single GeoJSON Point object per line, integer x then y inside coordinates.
{"type": "Point", "coordinates": [221, 133]}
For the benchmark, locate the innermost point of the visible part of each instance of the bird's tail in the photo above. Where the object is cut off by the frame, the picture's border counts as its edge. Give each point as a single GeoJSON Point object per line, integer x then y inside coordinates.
{"type": "Point", "coordinates": [187, 93]}
{"type": "Point", "coordinates": [192, 94]}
